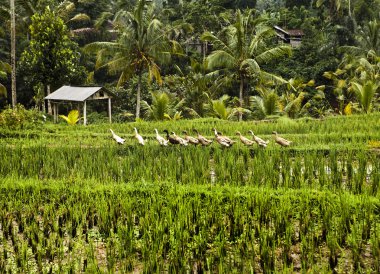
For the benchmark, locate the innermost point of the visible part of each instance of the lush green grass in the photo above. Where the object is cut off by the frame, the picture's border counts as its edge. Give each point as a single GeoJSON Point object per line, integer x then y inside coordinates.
{"type": "Point", "coordinates": [342, 132]}
{"type": "Point", "coordinates": [71, 199]}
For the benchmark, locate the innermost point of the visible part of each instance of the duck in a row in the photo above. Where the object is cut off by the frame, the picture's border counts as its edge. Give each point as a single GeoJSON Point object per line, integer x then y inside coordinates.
{"type": "Point", "coordinates": [219, 137]}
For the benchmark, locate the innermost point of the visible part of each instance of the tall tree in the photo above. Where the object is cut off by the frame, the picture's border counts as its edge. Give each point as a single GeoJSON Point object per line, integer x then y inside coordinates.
{"type": "Point", "coordinates": [141, 44]}
{"type": "Point", "coordinates": [241, 48]}
{"type": "Point", "coordinates": [51, 57]}
{"type": "Point", "coordinates": [13, 52]}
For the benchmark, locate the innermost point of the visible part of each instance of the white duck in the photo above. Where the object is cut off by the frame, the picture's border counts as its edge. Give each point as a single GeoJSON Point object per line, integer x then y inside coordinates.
{"type": "Point", "coordinates": [161, 140]}
{"type": "Point", "coordinates": [118, 139]}
{"type": "Point", "coordinates": [139, 138]}
{"type": "Point", "coordinates": [181, 141]}
{"type": "Point", "coordinates": [204, 141]}
{"type": "Point", "coordinates": [244, 140]}
{"type": "Point", "coordinates": [258, 140]}
{"type": "Point", "coordinates": [190, 139]}
{"type": "Point", "coordinates": [223, 140]}
{"type": "Point", "coordinates": [281, 141]}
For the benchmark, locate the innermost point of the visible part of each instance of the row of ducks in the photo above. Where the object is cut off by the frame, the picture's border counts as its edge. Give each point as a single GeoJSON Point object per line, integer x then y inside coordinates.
{"type": "Point", "coordinates": [201, 140]}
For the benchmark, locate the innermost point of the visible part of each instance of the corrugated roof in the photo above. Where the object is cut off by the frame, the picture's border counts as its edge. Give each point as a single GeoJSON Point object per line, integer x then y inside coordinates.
{"type": "Point", "coordinates": [69, 93]}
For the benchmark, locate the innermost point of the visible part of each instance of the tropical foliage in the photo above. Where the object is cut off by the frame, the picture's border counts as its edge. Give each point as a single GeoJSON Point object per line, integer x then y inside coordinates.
{"type": "Point", "coordinates": [163, 106]}
{"type": "Point", "coordinates": [51, 58]}
{"type": "Point", "coordinates": [240, 49]}
{"type": "Point", "coordinates": [229, 48]}
{"type": "Point", "coordinates": [141, 44]}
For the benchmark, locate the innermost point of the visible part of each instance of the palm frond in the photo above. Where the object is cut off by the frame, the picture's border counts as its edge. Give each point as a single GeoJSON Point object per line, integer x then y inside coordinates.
{"type": "Point", "coordinates": [220, 58]}
{"type": "Point", "coordinates": [365, 94]}
{"type": "Point", "coordinates": [271, 103]}
{"type": "Point", "coordinates": [72, 118]}
{"type": "Point", "coordinates": [154, 73]}
{"type": "Point", "coordinates": [293, 108]}
{"type": "Point", "coordinates": [5, 67]}
{"type": "Point", "coordinates": [269, 77]}
{"type": "Point", "coordinates": [80, 17]}
{"type": "Point", "coordinates": [155, 27]}
{"type": "Point", "coordinates": [352, 50]}
{"type": "Point", "coordinates": [3, 91]}
{"type": "Point", "coordinates": [217, 43]}
{"type": "Point", "coordinates": [220, 109]}
{"type": "Point", "coordinates": [147, 109]}
{"type": "Point", "coordinates": [160, 105]}
{"type": "Point", "coordinates": [262, 32]}
{"type": "Point", "coordinates": [251, 64]}
{"type": "Point", "coordinates": [102, 19]}
{"type": "Point", "coordinates": [273, 53]}
{"type": "Point", "coordinates": [117, 65]}
{"type": "Point", "coordinates": [110, 47]}
{"type": "Point", "coordinates": [125, 75]}
{"type": "Point", "coordinates": [258, 108]}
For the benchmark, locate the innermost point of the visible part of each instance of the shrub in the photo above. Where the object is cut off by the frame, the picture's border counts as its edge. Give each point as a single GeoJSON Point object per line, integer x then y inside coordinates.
{"type": "Point", "coordinates": [19, 118]}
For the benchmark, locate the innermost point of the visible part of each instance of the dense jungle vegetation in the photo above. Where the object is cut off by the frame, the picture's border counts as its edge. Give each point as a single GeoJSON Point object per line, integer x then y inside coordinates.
{"type": "Point", "coordinates": [189, 59]}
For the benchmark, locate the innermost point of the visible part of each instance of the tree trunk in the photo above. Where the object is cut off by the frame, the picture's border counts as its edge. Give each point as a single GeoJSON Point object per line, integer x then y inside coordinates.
{"type": "Point", "coordinates": [49, 103]}
{"type": "Point", "coordinates": [241, 97]}
{"type": "Point", "coordinates": [349, 8]}
{"type": "Point", "coordinates": [138, 98]}
{"type": "Point", "coordinates": [13, 53]}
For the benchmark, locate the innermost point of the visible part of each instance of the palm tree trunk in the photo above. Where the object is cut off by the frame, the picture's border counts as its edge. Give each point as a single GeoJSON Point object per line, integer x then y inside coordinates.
{"type": "Point", "coordinates": [13, 53]}
{"type": "Point", "coordinates": [138, 98]}
{"type": "Point", "coordinates": [49, 103]}
{"type": "Point", "coordinates": [241, 97]}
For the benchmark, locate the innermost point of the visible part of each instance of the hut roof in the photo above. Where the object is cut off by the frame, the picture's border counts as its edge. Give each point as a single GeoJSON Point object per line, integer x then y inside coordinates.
{"type": "Point", "coordinates": [78, 94]}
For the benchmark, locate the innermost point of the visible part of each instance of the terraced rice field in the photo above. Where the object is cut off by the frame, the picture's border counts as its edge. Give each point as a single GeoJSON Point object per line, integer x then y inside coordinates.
{"type": "Point", "coordinates": [73, 200]}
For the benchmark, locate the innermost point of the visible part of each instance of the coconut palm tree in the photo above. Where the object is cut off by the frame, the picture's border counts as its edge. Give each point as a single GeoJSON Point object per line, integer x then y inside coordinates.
{"type": "Point", "coordinates": [141, 44]}
{"type": "Point", "coordinates": [368, 39]}
{"type": "Point", "coordinates": [240, 49]}
{"type": "Point", "coordinates": [335, 6]}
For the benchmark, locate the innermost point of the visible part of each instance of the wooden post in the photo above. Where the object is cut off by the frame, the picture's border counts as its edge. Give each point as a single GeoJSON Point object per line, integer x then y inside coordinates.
{"type": "Point", "coordinates": [85, 113]}
{"type": "Point", "coordinates": [109, 110]}
{"type": "Point", "coordinates": [55, 112]}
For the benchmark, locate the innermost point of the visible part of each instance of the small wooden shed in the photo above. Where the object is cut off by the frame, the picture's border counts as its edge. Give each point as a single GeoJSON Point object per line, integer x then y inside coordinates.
{"type": "Point", "coordinates": [80, 95]}
{"type": "Point", "coordinates": [290, 36]}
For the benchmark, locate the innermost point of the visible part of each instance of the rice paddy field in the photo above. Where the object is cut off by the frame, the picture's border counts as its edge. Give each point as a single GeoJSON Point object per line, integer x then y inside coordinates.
{"type": "Point", "coordinates": [72, 200]}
